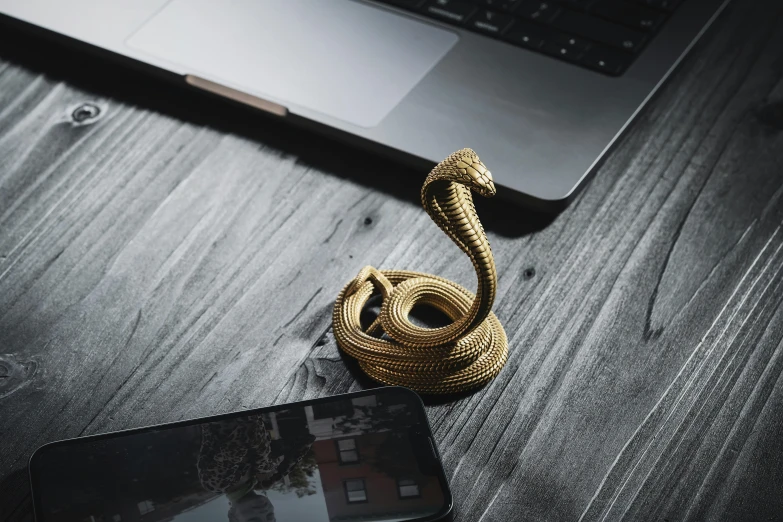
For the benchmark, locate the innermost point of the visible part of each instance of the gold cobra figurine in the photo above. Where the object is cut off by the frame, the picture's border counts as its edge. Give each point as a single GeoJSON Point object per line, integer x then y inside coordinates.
{"type": "Point", "coordinates": [463, 355]}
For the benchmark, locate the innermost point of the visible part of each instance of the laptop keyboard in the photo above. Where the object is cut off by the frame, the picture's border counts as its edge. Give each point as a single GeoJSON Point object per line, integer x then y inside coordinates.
{"type": "Point", "coordinates": [602, 35]}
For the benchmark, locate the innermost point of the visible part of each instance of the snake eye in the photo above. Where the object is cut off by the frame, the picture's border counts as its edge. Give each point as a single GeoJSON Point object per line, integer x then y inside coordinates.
{"type": "Point", "coordinates": [489, 189]}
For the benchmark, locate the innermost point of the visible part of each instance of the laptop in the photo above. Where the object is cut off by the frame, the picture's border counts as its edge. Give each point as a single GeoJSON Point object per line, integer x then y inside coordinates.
{"type": "Point", "coordinates": [540, 89]}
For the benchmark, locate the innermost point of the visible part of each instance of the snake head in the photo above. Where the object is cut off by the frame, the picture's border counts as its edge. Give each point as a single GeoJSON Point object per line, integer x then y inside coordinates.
{"type": "Point", "coordinates": [468, 169]}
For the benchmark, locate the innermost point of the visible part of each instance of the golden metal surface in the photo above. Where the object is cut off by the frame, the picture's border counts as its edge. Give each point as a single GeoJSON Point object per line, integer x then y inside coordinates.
{"type": "Point", "coordinates": [470, 351]}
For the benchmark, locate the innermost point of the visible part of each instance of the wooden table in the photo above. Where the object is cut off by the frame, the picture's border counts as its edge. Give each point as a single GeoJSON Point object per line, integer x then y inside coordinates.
{"type": "Point", "coordinates": [165, 256]}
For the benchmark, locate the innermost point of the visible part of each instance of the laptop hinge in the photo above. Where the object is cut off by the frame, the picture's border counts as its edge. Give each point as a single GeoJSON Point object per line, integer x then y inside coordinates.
{"type": "Point", "coordinates": [234, 94]}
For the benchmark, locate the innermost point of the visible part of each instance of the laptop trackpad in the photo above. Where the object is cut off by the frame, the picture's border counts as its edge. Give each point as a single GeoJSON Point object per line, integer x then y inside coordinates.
{"type": "Point", "coordinates": [344, 59]}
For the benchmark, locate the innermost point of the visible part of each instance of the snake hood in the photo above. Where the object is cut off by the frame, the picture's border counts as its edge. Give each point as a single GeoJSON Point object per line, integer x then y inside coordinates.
{"type": "Point", "coordinates": [465, 167]}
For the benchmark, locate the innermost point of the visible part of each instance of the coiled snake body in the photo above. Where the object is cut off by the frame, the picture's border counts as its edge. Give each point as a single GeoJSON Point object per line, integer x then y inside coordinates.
{"type": "Point", "coordinates": [471, 350]}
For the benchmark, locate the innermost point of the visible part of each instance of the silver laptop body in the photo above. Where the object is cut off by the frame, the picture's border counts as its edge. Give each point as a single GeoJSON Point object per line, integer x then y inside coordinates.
{"type": "Point", "coordinates": [395, 80]}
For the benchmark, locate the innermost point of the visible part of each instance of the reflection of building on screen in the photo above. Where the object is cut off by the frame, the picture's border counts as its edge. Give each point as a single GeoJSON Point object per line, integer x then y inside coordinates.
{"type": "Point", "coordinates": [360, 467]}
{"type": "Point", "coordinates": [359, 480]}
{"type": "Point", "coordinates": [368, 470]}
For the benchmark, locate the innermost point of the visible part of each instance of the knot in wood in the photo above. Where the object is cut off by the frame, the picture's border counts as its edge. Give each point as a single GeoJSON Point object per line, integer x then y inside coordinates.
{"type": "Point", "coordinates": [14, 374]}
{"type": "Point", "coordinates": [85, 113]}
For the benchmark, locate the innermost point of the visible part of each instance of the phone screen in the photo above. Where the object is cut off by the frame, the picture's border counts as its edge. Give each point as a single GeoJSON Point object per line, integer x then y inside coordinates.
{"type": "Point", "coordinates": [357, 457]}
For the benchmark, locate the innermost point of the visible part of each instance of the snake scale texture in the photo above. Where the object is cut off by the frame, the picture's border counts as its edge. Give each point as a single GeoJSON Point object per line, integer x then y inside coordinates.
{"type": "Point", "coordinates": [461, 356]}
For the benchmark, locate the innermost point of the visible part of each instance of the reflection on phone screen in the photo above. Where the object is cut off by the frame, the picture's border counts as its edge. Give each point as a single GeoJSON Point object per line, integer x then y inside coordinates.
{"type": "Point", "coordinates": [354, 459]}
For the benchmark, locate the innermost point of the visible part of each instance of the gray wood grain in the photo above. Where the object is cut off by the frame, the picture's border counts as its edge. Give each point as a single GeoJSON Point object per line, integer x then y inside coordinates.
{"type": "Point", "coordinates": [173, 257]}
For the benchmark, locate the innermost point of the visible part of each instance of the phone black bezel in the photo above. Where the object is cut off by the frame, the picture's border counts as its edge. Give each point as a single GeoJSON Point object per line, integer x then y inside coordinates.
{"type": "Point", "coordinates": [436, 462]}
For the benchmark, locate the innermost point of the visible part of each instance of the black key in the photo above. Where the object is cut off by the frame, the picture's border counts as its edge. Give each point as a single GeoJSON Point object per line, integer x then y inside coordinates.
{"type": "Point", "coordinates": [664, 5]}
{"type": "Point", "coordinates": [456, 11]}
{"type": "Point", "coordinates": [562, 51]}
{"type": "Point", "coordinates": [607, 60]}
{"type": "Point", "coordinates": [542, 12]}
{"type": "Point", "coordinates": [490, 22]}
{"type": "Point", "coordinates": [525, 35]}
{"type": "Point", "coordinates": [599, 30]}
{"type": "Point", "coordinates": [571, 42]}
{"type": "Point", "coordinates": [634, 16]}
{"type": "Point", "coordinates": [501, 5]}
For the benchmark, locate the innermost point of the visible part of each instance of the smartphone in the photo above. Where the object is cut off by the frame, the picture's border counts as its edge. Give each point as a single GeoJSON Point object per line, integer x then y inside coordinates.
{"type": "Point", "coordinates": [361, 456]}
